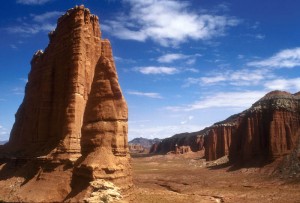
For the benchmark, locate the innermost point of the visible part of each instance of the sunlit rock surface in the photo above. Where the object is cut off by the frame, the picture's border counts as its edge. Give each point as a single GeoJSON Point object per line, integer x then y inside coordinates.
{"type": "Point", "coordinates": [71, 129]}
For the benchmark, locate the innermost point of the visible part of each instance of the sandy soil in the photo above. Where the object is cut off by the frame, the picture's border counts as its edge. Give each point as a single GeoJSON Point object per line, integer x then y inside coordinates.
{"type": "Point", "coordinates": [188, 178]}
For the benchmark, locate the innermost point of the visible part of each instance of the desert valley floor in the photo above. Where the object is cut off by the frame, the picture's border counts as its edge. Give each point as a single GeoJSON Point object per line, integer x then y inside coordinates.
{"type": "Point", "coordinates": [188, 178]}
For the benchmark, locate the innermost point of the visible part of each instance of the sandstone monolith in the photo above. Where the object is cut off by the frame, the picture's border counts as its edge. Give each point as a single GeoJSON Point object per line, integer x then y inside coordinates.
{"type": "Point", "coordinates": [71, 128]}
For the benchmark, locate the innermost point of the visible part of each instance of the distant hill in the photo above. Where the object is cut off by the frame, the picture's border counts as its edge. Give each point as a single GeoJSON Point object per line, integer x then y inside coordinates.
{"type": "Point", "coordinates": [144, 142]}
{"type": "Point", "coordinates": [3, 142]}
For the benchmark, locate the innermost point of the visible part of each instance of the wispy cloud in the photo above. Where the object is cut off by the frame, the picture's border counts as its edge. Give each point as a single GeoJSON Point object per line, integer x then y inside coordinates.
{"type": "Point", "coordinates": [162, 131]}
{"type": "Point", "coordinates": [24, 79]}
{"type": "Point", "coordinates": [290, 85]}
{"type": "Point", "coordinates": [146, 94]}
{"type": "Point", "coordinates": [164, 70]}
{"type": "Point", "coordinates": [260, 36]}
{"type": "Point", "coordinates": [287, 58]}
{"type": "Point", "coordinates": [240, 56]}
{"type": "Point", "coordinates": [255, 25]}
{"type": "Point", "coordinates": [169, 58]}
{"type": "Point", "coordinates": [13, 46]}
{"type": "Point", "coordinates": [240, 100]}
{"type": "Point", "coordinates": [187, 120]}
{"type": "Point", "coordinates": [46, 16]}
{"type": "Point", "coordinates": [157, 70]}
{"type": "Point", "coordinates": [32, 2]}
{"type": "Point", "coordinates": [243, 77]}
{"type": "Point", "coordinates": [124, 60]}
{"type": "Point", "coordinates": [18, 91]}
{"type": "Point", "coordinates": [36, 23]}
{"type": "Point", "coordinates": [26, 28]}
{"type": "Point", "coordinates": [167, 22]}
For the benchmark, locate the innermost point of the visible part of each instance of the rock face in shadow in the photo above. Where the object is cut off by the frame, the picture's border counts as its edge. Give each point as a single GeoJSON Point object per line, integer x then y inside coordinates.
{"type": "Point", "coordinates": [193, 140]}
{"type": "Point", "coordinates": [72, 124]}
{"type": "Point", "coordinates": [266, 131]}
{"type": "Point", "coordinates": [218, 140]}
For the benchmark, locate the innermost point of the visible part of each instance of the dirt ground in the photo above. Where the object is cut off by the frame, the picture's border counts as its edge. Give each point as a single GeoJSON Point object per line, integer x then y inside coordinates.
{"type": "Point", "coordinates": [188, 178]}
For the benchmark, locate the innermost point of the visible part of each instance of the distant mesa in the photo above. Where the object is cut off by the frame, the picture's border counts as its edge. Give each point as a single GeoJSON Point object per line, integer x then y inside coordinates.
{"type": "Point", "coordinates": [267, 131]}
{"type": "Point", "coordinates": [142, 145]}
{"type": "Point", "coordinates": [69, 139]}
{"type": "Point", "coordinates": [3, 142]}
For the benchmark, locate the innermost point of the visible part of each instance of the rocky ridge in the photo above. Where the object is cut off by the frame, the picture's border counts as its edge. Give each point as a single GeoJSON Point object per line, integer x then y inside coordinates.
{"type": "Point", "coordinates": [141, 145]}
{"type": "Point", "coordinates": [266, 131]}
{"type": "Point", "coordinates": [194, 140]}
{"type": "Point", "coordinates": [3, 142]}
{"type": "Point", "coordinates": [71, 129]}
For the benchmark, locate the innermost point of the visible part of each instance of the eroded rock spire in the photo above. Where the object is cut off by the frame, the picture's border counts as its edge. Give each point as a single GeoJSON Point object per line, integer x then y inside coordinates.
{"type": "Point", "coordinates": [73, 119]}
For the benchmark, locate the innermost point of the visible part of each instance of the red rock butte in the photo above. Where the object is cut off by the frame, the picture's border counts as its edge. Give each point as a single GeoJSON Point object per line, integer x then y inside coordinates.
{"type": "Point", "coordinates": [269, 130]}
{"type": "Point", "coordinates": [72, 125]}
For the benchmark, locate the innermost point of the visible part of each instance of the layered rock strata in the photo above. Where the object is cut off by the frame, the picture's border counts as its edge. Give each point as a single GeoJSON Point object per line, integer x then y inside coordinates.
{"type": "Point", "coordinates": [73, 119]}
{"type": "Point", "coordinates": [136, 148]}
{"type": "Point", "coordinates": [269, 129]}
{"type": "Point", "coordinates": [194, 140]}
{"type": "Point", "coordinates": [266, 131]}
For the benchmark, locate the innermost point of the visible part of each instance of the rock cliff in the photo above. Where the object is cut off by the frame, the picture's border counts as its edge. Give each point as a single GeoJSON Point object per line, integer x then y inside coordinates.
{"type": "Point", "coordinates": [194, 140]}
{"type": "Point", "coordinates": [142, 144]}
{"type": "Point", "coordinates": [71, 128]}
{"type": "Point", "coordinates": [266, 131]}
{"type": "Point", "coordinates": [136, 148]}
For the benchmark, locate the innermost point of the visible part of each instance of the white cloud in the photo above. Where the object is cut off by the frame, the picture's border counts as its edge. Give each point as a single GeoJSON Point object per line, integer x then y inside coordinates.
{"type": "Point", "coordinates": [192, 70]}
{"type": "Point", "coordinates": [161, 131]}
{"type": "Point", "coordinates": [240, 56]}
{"type": "Point", "coordinates": [36, 23]}
{"type": "Point", "coordinates": [287, 58]}
{"type": "Point", "coordinates": [240, 100]}
{"type": "Point", "coordinates": [163, 70]}
{"type": "Point", "coordinates": [157, 70]}
{"type": "Point", "coordinates": [290, 85]}
{"type": "Point", "coordinates": [13, 46]}
{"type": "Point", "coordinates": [187, 120]}
{"type": "Point", "coordinates": [169, 58]}
{"type": "Point", "coordinates": [210, 80]}
{"type": "Point", "coordinates": [46, 16]}
{"type": "Point", "coordinates": [166, 22]}
{"type": "Point", "coordinates": [260, 36]}
{"type": "Point", "coordinates": [255, 25]}
{"type": "Point", "coordinates": [146, 94]}
{"type": "Point", "coordinates": [243, 77]}
{"type": "Point", "coordinates": [191, 61]}
{"type": "Point", "coordinates": [124, 60]}
{"type": "Point", "coordinates": [26, 28]}
{"type": "Point", "coordinates": [32, 2]}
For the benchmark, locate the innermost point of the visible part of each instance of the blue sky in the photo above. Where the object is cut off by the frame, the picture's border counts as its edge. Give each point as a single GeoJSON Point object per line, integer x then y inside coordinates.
{"type": "Point", "coordinates": [182, 65]}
